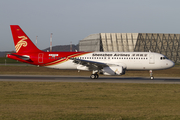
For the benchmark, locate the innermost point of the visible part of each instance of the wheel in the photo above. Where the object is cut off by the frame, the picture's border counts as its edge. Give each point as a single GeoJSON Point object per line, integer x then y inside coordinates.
{"type": "Point", "coordinates": [93, 76]}
{"type": "Point", "coordinates": [151, 77]}
{"type": "Point", "coordinates": [96, 76]}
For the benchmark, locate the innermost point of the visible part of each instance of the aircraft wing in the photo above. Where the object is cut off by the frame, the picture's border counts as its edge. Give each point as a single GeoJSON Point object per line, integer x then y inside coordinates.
{"type": "Point", "coordinates": [91, 64]}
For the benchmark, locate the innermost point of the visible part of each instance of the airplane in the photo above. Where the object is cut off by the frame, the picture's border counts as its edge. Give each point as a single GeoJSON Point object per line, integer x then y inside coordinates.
{"type": "Point", "coordinates": [106, 63]}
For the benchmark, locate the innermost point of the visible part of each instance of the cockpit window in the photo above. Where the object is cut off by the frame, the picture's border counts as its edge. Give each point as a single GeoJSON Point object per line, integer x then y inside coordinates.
{"type": "Point", "coordinates": [163, 58]}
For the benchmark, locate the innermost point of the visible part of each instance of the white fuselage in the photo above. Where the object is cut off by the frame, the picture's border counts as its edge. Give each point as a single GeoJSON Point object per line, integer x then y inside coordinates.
{"type": "Point", "coordinates": [128, 60]}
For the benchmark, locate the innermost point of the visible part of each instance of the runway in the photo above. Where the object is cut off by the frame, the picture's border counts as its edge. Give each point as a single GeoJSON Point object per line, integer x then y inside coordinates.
{"type": "Point", "coordinates": [102, 79]}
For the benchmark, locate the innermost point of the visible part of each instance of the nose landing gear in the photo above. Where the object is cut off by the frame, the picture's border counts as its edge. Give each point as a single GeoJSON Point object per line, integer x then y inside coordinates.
{"type": "Point", "coordinates": [151, 75]}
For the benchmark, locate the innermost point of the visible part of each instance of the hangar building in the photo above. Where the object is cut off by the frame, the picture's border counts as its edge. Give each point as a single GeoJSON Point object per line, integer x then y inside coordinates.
{"type": "Point", "coordinates": [166, 44]}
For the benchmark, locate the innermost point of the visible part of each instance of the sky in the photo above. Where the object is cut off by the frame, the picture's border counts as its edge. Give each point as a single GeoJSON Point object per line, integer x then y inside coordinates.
{"type": "Point", "coordinates": [73, 20]}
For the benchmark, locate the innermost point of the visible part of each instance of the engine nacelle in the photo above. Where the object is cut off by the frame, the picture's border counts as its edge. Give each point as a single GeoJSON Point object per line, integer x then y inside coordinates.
{"type": "Point", "coordinates": [81, 67]}
{"type": "Point", "coordinates": [113, 70]}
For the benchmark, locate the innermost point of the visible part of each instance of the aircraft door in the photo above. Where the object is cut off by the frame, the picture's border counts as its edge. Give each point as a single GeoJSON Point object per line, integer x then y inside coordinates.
{"type": "Point", "coordinates": [151, 59]}
{"type": "Point", "coordinates": [40, 57]}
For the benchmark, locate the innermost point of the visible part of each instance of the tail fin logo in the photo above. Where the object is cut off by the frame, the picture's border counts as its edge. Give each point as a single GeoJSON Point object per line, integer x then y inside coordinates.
{"type": "Point", "coordinates": [21, 43]}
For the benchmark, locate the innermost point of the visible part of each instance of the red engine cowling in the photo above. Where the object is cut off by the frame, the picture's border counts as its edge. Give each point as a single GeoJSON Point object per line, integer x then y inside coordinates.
{"type": "Point", "coordinates": [113, 70]}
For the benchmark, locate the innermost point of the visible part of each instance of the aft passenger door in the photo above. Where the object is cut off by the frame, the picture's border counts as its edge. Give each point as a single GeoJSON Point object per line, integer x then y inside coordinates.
{"type": "Point", "coordinates": [40, 57]}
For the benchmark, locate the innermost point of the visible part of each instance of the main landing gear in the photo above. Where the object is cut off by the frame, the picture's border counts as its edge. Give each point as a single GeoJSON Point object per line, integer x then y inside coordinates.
{"type": "Point", "coordinates": [94, 75]}
{"type": "Point", "coordinates": [151, 74]}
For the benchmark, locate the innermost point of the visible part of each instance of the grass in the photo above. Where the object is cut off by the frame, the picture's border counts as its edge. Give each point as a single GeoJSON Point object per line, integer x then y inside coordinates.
{"type": "Point", "coordinates": [8, 60]}
{"type": "Point", "coordinates": [88, 101]}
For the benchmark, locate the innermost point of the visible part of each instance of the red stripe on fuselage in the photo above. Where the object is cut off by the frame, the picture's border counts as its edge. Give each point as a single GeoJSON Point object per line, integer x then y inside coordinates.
{"type": "Point", "coordinates": [65, 56]}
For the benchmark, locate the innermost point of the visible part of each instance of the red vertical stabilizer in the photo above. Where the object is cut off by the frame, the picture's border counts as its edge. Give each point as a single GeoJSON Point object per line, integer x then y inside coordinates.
{"type": "Point", "coordinates": [21, 41]}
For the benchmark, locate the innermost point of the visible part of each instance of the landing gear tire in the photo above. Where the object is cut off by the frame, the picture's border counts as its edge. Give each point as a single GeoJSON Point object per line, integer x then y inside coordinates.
{"type": "Point", "coordinates": [97, 76]}
{"type": "Point", "coordinates": [151, 74]}
{"type": "Point", "coordinates": [94, 76]}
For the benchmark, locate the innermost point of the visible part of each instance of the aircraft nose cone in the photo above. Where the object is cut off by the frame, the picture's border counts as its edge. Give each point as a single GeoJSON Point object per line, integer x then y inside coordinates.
{"type": "Point", "coordinates": [171, 64]}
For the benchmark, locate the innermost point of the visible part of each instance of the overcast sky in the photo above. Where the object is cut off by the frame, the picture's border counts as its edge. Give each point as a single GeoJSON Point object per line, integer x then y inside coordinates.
{"type": "Point", "coordinates": [73, 20]}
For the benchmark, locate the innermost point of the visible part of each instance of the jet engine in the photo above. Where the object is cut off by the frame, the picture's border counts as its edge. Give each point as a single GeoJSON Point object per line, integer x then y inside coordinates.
{"type": "Point", "coordinates": [113, 70]}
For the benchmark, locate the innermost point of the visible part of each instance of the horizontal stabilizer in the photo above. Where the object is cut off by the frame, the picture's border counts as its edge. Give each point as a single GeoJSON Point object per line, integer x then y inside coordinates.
{"type": "Point", "coordinates": [24, 57]}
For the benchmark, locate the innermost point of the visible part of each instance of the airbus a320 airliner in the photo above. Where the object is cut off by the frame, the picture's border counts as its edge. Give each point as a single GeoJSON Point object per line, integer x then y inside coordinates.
{"type": "Point", "coordinates": [107, 63]}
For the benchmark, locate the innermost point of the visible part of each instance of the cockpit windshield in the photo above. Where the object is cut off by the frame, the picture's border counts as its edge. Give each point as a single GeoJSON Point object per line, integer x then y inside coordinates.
{"type": "Point", "coordinates": [163, 58]}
